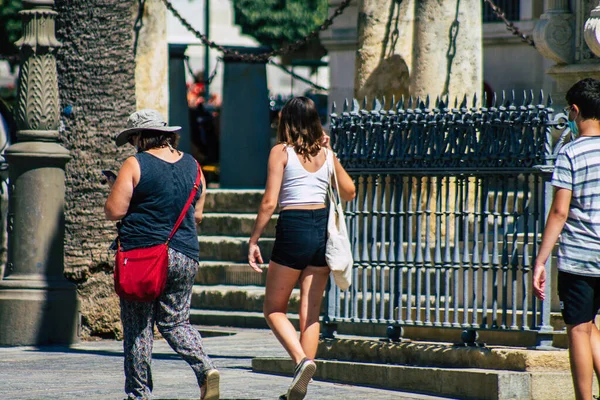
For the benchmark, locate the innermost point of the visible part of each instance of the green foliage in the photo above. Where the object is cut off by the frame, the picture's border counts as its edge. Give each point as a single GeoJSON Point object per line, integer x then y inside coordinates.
{"type": "Point", "coordinates": [10, 26]}
{"type": "Point", "coordinates": [277, 22]}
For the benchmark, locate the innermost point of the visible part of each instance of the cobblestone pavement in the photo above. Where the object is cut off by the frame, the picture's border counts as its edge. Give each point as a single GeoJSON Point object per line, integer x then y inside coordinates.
{"type": "Point", "coordinates": [93, 370]}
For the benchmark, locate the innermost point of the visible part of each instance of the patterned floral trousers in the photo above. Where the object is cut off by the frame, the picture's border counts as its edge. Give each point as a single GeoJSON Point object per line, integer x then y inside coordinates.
{"type": "Point", "coordinates": [170, 312]}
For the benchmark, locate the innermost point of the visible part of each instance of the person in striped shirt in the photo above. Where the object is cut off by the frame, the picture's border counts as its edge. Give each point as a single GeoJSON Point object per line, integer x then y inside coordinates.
{"type": "Point", "coordinates": [575, 216]}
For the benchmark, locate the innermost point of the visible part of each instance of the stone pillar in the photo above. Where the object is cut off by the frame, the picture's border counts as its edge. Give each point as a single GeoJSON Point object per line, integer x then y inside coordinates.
{"type": "Point", "coordinates": [559, 36]}
{"type": "Point", "coordinates": [245, 128]}
{"type": "Point", "coordinates": [447, 48]}
{"type": "Point", "coordinates": [591, 31]}
{"type": "Point", "coordinates": [152, 59]}
{"type": "Point", "coordinates": [341, 42]}
{"type": "Point", "coordinates": [37, 304]}
{"type": "Point", "coordinates": [179, 114]}
{"type": "Point", "coordinates": [384, 56]}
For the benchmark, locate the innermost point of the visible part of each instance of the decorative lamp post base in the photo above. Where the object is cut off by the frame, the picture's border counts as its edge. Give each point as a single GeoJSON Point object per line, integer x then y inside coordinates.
{"type": "Point", "coordinates": [38, 306]}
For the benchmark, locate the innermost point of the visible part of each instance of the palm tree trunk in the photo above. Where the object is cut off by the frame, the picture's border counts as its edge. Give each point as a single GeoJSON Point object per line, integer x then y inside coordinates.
{"type": "Point", "coordinates": [96, 70]}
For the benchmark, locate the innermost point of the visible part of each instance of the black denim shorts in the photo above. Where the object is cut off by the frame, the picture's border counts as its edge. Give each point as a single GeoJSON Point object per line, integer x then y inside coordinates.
{"type": "Point", "coordinates": [300, 238]}
{"type": "Point", "coordinates": [579, 297]}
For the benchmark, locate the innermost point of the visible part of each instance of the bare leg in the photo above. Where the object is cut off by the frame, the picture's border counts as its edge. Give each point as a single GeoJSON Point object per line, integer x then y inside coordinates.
{"type": "Point", "coordinates": [580, 356]}
{"type": "Point", "coordinates": [280, 283]}
{"type": "Point", "coordinates": [312, 285]}
{"type": "Point", "coordinates": [595, 342]}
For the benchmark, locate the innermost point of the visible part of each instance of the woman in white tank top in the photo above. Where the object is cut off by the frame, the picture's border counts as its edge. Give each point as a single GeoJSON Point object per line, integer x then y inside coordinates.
{"type": "Point", "coordinates": [299, 171]}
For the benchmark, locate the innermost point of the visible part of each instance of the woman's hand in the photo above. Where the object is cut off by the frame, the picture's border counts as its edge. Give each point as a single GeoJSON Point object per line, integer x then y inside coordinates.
{"type": "Point", "coordinates": [326, 140]}
{"type": "Point", "coordinates": [254, 256]}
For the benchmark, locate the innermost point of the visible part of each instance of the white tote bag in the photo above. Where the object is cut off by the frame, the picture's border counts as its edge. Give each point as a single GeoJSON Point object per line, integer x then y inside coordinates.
{"type": "Point", "coordinates": [338, 252]}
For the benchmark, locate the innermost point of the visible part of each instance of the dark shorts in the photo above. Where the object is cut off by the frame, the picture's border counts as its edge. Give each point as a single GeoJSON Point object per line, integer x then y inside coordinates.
{"type": "Point", "coordinates": [300, 238]}
{"type": "Point", "coordinates": [579, 297]}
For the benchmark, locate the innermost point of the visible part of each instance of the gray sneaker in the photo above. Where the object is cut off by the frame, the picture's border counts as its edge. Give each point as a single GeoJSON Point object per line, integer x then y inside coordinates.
{"type": "Point", "coordinates": [302, 376]}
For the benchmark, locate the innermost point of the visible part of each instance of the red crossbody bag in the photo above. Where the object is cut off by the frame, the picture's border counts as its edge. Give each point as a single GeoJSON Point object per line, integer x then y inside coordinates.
{"type": "Point", "coordinates": [141, 274]}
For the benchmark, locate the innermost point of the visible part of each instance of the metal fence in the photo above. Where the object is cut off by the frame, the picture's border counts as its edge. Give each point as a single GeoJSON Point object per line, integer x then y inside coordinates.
{"type": "Point", "coordinates": [451, 203]}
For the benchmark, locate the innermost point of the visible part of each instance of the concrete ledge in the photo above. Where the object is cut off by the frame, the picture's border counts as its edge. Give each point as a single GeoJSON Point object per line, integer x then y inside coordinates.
{"type": "Point", "coordinates": [443, 355]}
{"type": "Point", "coordinates": [456, 382]}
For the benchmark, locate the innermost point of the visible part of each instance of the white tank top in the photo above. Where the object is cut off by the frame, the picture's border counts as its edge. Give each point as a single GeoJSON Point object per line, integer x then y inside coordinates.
{"type": "Point", "coordinates": [300, 187]}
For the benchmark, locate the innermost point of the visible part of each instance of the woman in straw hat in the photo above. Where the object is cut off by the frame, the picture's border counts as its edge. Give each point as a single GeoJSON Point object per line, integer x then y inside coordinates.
{"type": "Point", "coordinates": [147, 196]}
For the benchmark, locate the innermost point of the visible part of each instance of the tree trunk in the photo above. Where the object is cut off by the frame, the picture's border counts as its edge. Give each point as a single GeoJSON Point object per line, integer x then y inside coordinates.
{"type": "Point", "coordinates": [96, 71]}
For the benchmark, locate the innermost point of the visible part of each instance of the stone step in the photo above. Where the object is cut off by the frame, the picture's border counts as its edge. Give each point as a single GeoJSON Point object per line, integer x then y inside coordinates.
{"type": "Point", "coordinates": [231, 249]}
{"type": "Point", "coordinates": [442, 354]}
{"type": "Point", "coordinates": [461, 383]}
{"type": "Point", "coordinates": [233, 200]}
{"type": "Point", "coordinates": [251, 298]}
{"type": "Point", "coordinates": [224, 273]}
{"type": "Point", "coordinates": [221, 224]}
{"type": "Point", "coordinates": [237, 319]}
{"type": "Point", "coordinates": [236, 298]}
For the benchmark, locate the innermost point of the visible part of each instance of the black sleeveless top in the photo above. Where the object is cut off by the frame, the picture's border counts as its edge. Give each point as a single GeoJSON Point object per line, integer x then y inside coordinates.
{"type": "Point", "coordinates": [157, 202]}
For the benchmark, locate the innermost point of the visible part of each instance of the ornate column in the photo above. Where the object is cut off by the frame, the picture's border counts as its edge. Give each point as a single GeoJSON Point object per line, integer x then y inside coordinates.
{"type": "Point", "coordinates": [559, 35]}
{"type": "Point", "coordinates": [591, 31]}
{"type": "Point", "coordinates": [37, 304]}
{"type": "Point", "coordinates": [554, 32]}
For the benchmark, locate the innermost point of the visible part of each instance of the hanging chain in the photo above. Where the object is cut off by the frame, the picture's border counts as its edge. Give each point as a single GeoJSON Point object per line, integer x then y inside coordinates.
{"type": "Point", "coordinates": [262, 57]}
{"type": "Point", "coordinates": [509, 25]}
{"type": "Point", "coordinates": [298, 77]}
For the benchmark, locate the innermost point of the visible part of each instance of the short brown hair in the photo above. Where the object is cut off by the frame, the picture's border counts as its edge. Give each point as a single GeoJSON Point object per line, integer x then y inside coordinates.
{"type": "Point", "coordinates": [300, 127]}
{"type": "Point", "coordinates": [153, 139]}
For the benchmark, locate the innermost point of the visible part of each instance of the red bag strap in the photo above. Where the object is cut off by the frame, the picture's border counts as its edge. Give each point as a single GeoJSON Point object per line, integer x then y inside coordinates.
{"type": "Point", "coordinates": [188, 203]}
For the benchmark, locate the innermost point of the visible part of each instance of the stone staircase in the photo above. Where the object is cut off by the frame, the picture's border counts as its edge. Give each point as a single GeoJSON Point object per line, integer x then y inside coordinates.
{"type": "Point", "coordinates": [227, 291]}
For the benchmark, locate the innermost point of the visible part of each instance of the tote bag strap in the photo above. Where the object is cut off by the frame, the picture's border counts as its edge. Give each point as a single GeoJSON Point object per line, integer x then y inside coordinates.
{"type": "Point", "coordinates": [332, 193]}
{"type": "Point", "coordinates": [187, 204]}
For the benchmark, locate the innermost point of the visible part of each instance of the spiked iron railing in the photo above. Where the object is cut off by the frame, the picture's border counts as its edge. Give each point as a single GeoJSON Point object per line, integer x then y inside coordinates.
{"type": "Point", "coordinates": [451, 203]}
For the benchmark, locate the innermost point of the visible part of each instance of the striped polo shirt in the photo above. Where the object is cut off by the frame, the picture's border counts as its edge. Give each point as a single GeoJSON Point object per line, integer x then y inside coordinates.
{"type": "Point", "coordinates": [577, 168]}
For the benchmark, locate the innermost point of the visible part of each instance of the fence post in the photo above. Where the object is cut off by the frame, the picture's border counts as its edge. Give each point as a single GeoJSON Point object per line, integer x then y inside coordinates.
{"type": "Point", "coordinates": [544, 337]}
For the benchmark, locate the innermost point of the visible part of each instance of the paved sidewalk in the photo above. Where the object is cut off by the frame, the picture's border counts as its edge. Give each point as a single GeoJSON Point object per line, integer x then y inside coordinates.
{"type": "Point", "coordinates": [94, 370]}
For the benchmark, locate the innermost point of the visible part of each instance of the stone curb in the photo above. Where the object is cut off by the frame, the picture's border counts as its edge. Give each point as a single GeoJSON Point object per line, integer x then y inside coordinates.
{"type": "Point", "coordinates": [453, 382]}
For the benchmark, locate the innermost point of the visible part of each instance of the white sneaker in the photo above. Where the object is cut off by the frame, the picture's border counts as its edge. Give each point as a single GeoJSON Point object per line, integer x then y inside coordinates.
{"type": "Point", "coordinates": [212, 385]}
